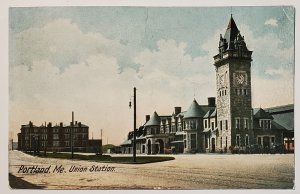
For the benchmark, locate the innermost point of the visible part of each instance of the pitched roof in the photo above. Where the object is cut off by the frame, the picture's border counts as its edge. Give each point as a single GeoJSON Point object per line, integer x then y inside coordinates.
{"type": "Point", "coordinates": [231, 33]}
{"type": "Point", "coordinates": [279, 109]}
{"type": "Point", "coordinates": [261, 114]}
{"type": "Point", "coordinates": [154, 120]}
{"type": "Point", "coordinates": [194, 111]}
{"type": "Point", "coordinates": [284, 115]}
{"type": "Point", "coordinates": [209, 113]}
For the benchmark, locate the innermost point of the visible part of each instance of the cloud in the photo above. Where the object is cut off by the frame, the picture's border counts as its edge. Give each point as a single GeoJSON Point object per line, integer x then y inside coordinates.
{"type": "Point", "coordinates": [271, 22]}
{"type": "Point", "coordinates": [57, 68]}
{"type": "Point", "coordinates": [62, 43]}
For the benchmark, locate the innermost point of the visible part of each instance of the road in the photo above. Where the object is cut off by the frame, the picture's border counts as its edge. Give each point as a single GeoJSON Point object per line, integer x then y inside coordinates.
{"type": "Point", "coordinates": [199, 171]}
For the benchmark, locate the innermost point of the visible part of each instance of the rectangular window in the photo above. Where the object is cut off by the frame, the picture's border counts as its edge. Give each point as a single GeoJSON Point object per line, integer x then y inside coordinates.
{"type": "Point", "coordinates": [269, 124]}
{"type": "Point", "coordinates": [67, 143]}
{"type": "Point", "coordinates": [205, 123]}
{"type": "Point", "coordinates": [55, 136]}
{"type": "Point", "coordinates": [193, 141]}
{"type": "Point", "coordinates": [272, 140]}
{"type": "Point", "coordinates": [237, 123]}
{"type": "Point", "coordinates": [245, 123]}
{"type": "Point", "coordinates": [212, 125]}
{"type": "Point", "coordinates": [247, 140]}
{"type": "Point", "coordinates": [245, 91]}
{"type": "Point", "coordinates": [226, 124]}
{"type": "Point", "coordinates": [225, 92]}
{"type": "Point", "coordinates": [259, 140]}
{"type": "Point", "coordinates": [241, 91]}
{"type": "Point", "coordinates": [221, 143]}
{"type": "Point", "coordinates": [221, 126]}
{"type": "Point", "coordinates": [238, 140]}
{"type": "Point", "coordinates": [55, 143]}
{"type": "Point", "coordinates": [261, 123]}
{"type": "Point", "coordinates": [220, 93]}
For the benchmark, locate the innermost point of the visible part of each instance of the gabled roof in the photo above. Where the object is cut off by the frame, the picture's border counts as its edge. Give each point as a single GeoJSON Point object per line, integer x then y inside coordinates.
{"type": "Point", "coordinates": [261, 114]}
{"type": "Point", "coordinates": [208, 114]}
{"type": "Point", "coordinates": [194, 111]}
{"type": "Point", "coordinates": [214, 113]}
{"type": "Point", "coordinates": [154, 120]}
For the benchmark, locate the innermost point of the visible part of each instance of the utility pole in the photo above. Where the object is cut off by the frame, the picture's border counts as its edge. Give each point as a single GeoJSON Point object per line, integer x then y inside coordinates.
{"type": "Point", "coordinates": [101, 150]}
{"type": "Point", "coordinates": [134, 124]}
{"type": "Point", "coordinates": [45, 139]}
{"type": "Point", "coordinates": [72, 131]}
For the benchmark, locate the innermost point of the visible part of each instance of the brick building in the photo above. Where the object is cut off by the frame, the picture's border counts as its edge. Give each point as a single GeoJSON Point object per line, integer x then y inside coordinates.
{"type": "Point", "coordinates": [227, 121]}
{"type": "Point", "coordinates": [57, 138]}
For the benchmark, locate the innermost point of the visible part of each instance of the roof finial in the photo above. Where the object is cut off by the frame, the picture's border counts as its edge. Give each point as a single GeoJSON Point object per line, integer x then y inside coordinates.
{"type": "Point", "coordinates": [231, 11]}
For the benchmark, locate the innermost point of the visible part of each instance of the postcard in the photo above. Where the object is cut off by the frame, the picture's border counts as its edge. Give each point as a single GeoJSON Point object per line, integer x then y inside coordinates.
{"type": "Point", "coordinates": [151, 97]}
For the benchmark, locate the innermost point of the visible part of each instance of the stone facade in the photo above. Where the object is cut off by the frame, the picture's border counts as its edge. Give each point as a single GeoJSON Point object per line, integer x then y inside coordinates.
{"type": "Point", "coordinates": [229, 124]}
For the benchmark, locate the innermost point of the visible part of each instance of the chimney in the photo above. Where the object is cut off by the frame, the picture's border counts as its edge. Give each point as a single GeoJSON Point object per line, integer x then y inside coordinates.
{"type": "Point", "coordinates": [79, 124]}
{"type": "Point", "coordinates": [177, 110]}
{"type": "Point", "coordinates": [49, 124]}
{"type": "Point", "coordinates": [75, 122]}
{"type": "Point", "coordinates": [61, 124]}
{"type": "Point", "coordinates": [147, 118]}
{"type": "Point", "coordinates": [211, 101]}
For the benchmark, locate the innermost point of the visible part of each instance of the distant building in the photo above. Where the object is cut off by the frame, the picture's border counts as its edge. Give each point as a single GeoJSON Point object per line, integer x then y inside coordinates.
{"type": "Point", "coordinates": [56, 138]}
{"type": "Point", "coordinates": [227, 122]}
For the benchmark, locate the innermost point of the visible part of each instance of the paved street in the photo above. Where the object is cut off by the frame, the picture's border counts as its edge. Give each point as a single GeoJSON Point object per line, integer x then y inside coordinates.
{"type": "Point", "coordinates": [200, 171]}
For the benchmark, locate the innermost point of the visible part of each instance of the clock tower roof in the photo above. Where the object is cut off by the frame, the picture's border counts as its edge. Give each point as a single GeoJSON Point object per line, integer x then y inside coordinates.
{"type": "Point", "coordinates": [231, 33]}
{"type": "Point", "coordinates": [232, 38]}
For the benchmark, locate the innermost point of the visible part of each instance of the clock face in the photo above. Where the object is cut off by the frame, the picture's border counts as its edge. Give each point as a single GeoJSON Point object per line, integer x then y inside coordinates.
{"type": "Point", "coordinates": [240, 79]}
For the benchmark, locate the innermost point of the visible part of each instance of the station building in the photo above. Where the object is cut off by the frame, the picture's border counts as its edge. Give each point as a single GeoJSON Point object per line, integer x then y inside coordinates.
{"type": "Point", "coordinates": [226, 122]}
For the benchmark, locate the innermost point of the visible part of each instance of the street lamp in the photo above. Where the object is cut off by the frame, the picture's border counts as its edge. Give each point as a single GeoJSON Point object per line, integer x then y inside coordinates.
{"type": "Point", "coordinates": [134, 123]}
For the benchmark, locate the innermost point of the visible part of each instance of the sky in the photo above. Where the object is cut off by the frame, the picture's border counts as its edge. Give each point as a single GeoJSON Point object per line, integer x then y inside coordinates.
{"type": "Point", "coordinates": [88, 59]}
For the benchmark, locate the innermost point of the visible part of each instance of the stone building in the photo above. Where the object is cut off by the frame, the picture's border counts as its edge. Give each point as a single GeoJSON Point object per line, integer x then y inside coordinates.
{"type": "Point", "coordinates": [227, 122]}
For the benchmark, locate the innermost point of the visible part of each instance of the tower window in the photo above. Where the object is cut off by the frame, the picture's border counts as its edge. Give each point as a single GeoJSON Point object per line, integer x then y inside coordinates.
{"type": "Point", "coordinates": [245, 91]}
{"type": "Point", "coordinates": [226, 124]}
{"type": "Point", "coordinates": [220, 93]}
{"type": "Point", "coordinates": [237, 123]}
{"type": "Point", "coordinates": [225, 92]}
{"type": "Point", "coordinates": [245, 123]}
{"type": "Point", "coordinates": [221, 125]}
{"type": "Point", "coordinates": [241, 91]}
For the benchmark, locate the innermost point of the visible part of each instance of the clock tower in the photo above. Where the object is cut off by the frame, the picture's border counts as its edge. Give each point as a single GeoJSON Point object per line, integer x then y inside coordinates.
{"type": "Point", "coordinates": [234, 106]}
